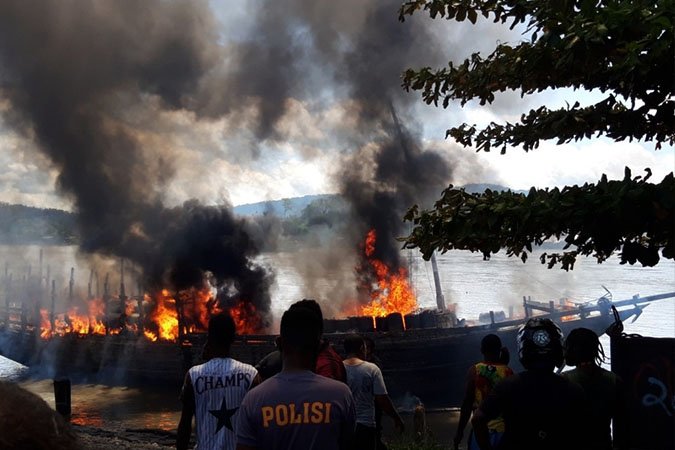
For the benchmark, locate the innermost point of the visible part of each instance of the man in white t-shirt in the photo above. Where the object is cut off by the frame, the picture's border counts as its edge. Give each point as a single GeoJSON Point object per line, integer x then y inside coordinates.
{"type": "Point", "coordinates": [214, 390]}
{"type": "Point", "coordinates": [368, 388]}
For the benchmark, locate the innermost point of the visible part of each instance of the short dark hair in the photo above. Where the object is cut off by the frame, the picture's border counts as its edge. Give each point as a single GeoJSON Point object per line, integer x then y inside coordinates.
{"type": "Point", "coordinates": [313, 306]}
{"type": "Point", "coordinates": [491, 344]}
{"type": "Point", "coordinates": [583, 345]}
{"type": "Point", "coordinates": [353, 343]}
{"type": "Point", "coordinates": [222, 329]}
{"type": "Point", "coordinates": [300, 330]}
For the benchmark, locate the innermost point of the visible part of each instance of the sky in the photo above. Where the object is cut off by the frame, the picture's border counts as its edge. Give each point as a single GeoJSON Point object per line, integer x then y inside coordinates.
{"type": "Point", "coordinates": [305, 154]}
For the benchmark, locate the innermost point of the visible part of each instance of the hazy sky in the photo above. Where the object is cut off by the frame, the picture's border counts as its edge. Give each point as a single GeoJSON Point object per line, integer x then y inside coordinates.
{"type": "Point", "coordinates": [305, 153]}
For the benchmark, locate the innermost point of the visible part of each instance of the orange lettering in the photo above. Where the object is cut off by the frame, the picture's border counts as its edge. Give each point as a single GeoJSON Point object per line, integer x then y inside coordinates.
{"type": "Point", "coordinates": [295, 419]}
{"type": "Point", "coordinates": [327, 414]}
{"type": "Point", "coordinates": [305, 417]}
{"type": "Point", "coordinates": [278, 413]}
{"type": "Point", "coordinates": [267, 415]}
{"type": "Point", "coordinates": [317, 412]}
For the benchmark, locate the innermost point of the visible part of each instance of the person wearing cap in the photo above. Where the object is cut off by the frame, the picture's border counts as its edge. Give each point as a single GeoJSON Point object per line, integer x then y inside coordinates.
{"type": "Point", "coordinates": [213, 391]}
{"type": "Point", "coordinates": [541, 409]}
{"type": "Point", "coordinates": [480, 380]}
{"type": "Point", "coordinates": [603, 388]}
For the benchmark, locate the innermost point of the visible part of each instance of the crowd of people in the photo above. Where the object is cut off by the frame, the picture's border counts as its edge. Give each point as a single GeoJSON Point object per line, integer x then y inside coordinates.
{"type": "Point", "coordinates": [304, 396]}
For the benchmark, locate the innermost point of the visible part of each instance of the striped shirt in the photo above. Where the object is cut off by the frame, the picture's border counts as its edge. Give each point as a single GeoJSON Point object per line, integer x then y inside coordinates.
{"type": "Point", "coordinates": [219, 386]}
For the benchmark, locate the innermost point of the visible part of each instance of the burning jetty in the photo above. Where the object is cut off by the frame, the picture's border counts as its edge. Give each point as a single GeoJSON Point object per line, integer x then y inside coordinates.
{"type": "Point", "coordinates": [121, 338]}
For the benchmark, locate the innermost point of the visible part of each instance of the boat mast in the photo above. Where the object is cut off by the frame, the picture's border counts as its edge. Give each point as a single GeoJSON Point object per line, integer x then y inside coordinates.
{"type": "Point", "coordinates": [440, 299]}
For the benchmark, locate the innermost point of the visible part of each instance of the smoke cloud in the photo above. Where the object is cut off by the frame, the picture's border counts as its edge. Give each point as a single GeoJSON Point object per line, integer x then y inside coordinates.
{"type": "Point", "coordinates": [75, 74]}
{"type": "Point", "coordinates": [92, 82]}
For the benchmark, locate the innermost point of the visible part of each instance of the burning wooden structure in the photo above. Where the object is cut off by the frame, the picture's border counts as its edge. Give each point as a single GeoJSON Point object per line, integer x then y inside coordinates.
{"type": "Point", "coordinates": [125, 338]}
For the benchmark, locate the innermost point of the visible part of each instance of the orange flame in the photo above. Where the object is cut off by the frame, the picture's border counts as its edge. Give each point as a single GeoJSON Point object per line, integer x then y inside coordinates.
{"type": "Point", "coordinates": [392, 292]}
{"type": "Point", "coordinates": [45, 324]}
{"type": "Point", "coordinates": [162, 323]}
{"type": "Point", "coordinates": [246, 318]}
{"type": "Point", "coordinates": [165, 316]}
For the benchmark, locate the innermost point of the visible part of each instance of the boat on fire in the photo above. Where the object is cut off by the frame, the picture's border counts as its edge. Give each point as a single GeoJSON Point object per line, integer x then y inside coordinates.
{"type": "Point", "coordinates": [425, 353]}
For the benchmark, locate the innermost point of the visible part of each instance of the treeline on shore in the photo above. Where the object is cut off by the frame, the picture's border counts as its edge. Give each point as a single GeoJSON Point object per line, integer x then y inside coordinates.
{"type": "Point", "coordinates": [298, 219]}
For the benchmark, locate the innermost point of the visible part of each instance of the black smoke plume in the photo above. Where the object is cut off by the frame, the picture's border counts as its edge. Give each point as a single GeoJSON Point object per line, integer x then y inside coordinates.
{"type": "Point", "coordinates": [80, 75]}
{"type": "Point", "coordinates": [360, 49]}
{"type": "Point", "coordinates": [74, 72]}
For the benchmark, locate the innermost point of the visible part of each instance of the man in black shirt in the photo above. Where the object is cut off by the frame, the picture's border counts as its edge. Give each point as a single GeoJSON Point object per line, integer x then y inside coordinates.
{"type": "Point", "coordinates": [541, 410]}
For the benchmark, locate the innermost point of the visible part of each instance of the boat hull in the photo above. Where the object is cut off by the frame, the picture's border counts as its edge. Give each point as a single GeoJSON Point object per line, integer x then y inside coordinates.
{"type": "Point", "coordinates": [429, 364]}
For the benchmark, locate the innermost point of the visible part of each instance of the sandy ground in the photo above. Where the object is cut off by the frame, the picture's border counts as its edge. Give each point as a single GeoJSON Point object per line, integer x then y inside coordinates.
{"type": "Point", "coordinates": [120, 439]}
{"type": "Point", "coordinates": [441, 426]}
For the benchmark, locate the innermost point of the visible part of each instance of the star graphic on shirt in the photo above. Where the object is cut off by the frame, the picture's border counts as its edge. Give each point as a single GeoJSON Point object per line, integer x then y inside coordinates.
{"type": "Point", "coordinates": [224, 416]}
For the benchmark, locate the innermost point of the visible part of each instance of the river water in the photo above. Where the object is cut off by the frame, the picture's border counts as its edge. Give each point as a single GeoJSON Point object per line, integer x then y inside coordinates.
{"type": "Point", "coordinates": [476, 286]}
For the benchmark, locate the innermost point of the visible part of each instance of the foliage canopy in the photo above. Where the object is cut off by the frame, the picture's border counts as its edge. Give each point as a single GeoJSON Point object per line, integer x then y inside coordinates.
{"type": "Point", "coordinates": [622, 49]}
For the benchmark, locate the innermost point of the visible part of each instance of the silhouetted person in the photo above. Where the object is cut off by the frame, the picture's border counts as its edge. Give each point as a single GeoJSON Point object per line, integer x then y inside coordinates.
{"type": "Point", "coordinates": [328, 363]}
{"type": "Point", "coordinates": [541, 410]}
{"type": "Point", "coordinates": [367, 385]}
{"type": "Point", "coordinates": [213, 391]}
{"type": "Point", "coordinates": [297, 409]}
{"type": "Point", "coordinates": [271, 364]}
{"type": "Point", "coordinates": [604, 389]}
{"type": "Point", "coordinates": [27, 422]}
{"type": "Point", "coordinates": [480, 380]}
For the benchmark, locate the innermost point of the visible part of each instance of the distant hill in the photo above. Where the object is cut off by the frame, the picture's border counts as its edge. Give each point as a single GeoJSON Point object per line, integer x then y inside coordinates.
{"type": "Point", "coordinates": [294, 206]}
{"type": "Point", "coordinates": [21, 224]}
{"type": "Point", "coordinates": [477, 188]}
{"type": "Point", "coordinates": [286, 207]}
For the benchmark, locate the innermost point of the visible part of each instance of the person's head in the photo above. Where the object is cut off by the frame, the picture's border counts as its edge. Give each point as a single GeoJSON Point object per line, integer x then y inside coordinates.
{"type": "Point", "coordinates": [490, 347]}
{"type": "Point", "coordinates": [540, 345]}
{"type": "Point", "coordinates": [300, 338]}
{"type": "Point", "coordinates": [220, 335]}
{"type": "Point", "coordinates": [312, 305]}
{"type": "Point", "coordinates": [27, 422]}
{"type": "Point", "coordinates": [583, 346]}
{"type": "Point", "coordinates": [355, 346]}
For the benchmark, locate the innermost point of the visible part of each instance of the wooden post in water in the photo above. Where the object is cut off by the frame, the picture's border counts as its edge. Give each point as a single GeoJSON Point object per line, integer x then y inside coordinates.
{"type": "Point", "coordinates": [123, 294]}
{"type": "Point", "coordinates": [8, 284]}
{"type": "Point", "coordinates": [71, 283]}
{"type": "Point", "coordinates": [123, 297]}
{"type": "Point", "coordinates": [40, 270]}
{"type": "Point", "coordinates": [141, 311]}
{"type": "Point", "coordinates": [24, 282]}
{"type": "Point", "coordinates": [106, 298]}
{"type": "Point", "coordinates": [179, 311]}
{"type": "Point", "coordinates": [52, 310]}
{"type": "Point", "coordinates": [62, 398]}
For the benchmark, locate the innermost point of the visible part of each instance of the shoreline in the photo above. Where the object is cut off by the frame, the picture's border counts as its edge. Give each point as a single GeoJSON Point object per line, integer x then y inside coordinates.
{"type": "Point", "coordinates": [441, 425]}
{"type": "Point", "coordinates": [107, 438]}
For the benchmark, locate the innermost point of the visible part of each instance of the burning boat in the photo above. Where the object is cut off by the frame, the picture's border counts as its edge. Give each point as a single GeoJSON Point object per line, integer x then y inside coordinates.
{"type": "Point", "coordinates": [157, 337]}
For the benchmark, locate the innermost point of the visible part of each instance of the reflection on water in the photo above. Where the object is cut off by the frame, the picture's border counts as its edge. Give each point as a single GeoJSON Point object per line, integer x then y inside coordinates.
{"type": "Point", "coordinates": [96, 405]}
{"type": "Point", "coordinates": [475, 285]}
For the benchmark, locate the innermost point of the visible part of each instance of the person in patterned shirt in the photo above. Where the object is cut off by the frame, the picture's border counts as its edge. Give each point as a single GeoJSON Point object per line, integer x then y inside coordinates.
{"type": "Point", "coordinates": [480, 380]}
{"type": "Point", "coordinates": [213, 391]}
